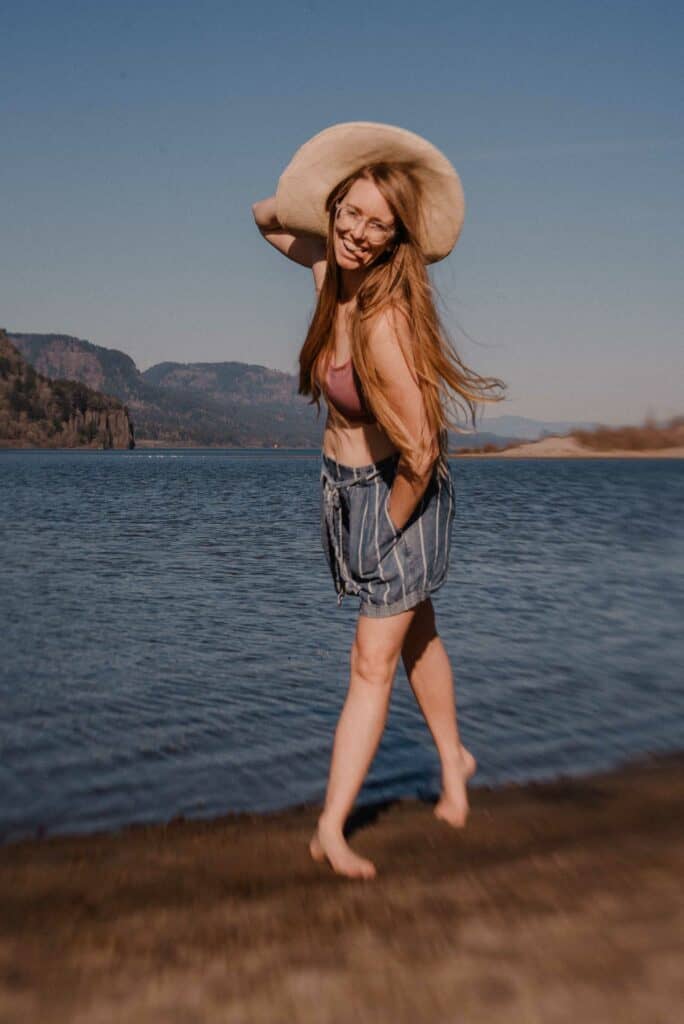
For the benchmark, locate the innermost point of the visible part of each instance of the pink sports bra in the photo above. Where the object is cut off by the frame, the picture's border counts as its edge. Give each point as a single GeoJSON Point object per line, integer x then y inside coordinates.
{"type": "Point", "coordinates": [343, 389]}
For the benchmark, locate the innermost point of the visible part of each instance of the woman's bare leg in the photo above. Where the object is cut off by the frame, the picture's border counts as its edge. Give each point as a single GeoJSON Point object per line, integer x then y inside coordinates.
{"type": "Point", "coordinates": [373, 663]}
{"type": "Point", "coordinates": [429, 672]}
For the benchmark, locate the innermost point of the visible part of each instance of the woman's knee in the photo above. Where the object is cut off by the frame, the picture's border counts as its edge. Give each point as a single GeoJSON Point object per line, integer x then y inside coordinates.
{"type": "Point", "coordinates": [373, 664]}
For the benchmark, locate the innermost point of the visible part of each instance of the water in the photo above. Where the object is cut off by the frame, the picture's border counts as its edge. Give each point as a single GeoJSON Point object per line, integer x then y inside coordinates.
{"type": "Point", "coordinates": [172, 645]}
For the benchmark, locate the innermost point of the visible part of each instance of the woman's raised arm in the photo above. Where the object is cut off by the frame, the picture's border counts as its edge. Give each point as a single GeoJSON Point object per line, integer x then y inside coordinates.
{"type": "Point", "coordinates": [306, 250]}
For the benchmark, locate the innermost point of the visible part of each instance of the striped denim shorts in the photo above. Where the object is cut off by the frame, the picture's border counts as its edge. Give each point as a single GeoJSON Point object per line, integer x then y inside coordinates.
{"type": "Point", "coordinates": [389, 569]}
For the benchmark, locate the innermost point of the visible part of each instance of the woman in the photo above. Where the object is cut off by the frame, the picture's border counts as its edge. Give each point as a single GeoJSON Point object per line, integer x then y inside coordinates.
{"type": "Point", "coordinates": [366, 206]}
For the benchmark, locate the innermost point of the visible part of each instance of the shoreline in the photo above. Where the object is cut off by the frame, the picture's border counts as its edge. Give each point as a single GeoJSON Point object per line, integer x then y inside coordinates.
{"type": "Point", "coordinates": [568, 447]}
{"type": "Point", "coordinates": [40, 834]}
{"type": "Point", "coordinates": [547, 448]}
{"type": "Point", "coordinates": [560, 900]}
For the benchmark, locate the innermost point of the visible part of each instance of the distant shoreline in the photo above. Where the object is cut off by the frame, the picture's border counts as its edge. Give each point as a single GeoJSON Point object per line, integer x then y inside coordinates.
{"type": "Point", "coordinates": [569, 447]}
{"type": "Point", "coordinates": [665, 453]}
{"type": "Point", "coordinates": [546, 448]}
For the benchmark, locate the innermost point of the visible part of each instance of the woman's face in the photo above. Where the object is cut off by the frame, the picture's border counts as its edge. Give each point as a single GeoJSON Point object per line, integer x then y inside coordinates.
{"type": "Point", "coordinates": [352, 246]}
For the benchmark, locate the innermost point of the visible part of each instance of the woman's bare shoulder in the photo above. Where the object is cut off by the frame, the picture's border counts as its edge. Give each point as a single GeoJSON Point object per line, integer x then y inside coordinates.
{"type": "Point", "coordinates": [392, 321]}
{"type": "Point", "coordinates": [390, 336]}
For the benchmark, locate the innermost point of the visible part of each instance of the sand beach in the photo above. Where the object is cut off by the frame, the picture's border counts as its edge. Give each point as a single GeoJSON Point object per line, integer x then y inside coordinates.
{"type": "Point", "coordinates": [569, 447]}
{"type": "Point", "coordinates": [559, 902]}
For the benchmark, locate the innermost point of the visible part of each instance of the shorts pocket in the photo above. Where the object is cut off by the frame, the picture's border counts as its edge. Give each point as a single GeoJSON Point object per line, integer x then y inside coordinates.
{"type": "Point", "coordinates": [372, 534]}
{"type": "Point", "coordinates": [396, 531]}
{"type": "Point", "coordinates": [388, 533]}
{"type": "Point", "coordinates": [362, 532]}
{"type": "Point", "coordinates": [325, 538]}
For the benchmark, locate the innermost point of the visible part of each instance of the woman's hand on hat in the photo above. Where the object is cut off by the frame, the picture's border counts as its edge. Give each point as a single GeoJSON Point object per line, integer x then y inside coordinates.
{"type": "Point", "coordinates": [264, 211]}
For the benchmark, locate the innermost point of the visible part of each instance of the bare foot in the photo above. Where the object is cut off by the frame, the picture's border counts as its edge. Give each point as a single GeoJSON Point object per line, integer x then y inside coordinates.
{"type": "Point", "coordinates": [452, 806]}
{"type": "Point", "coordinates": [329, 844]}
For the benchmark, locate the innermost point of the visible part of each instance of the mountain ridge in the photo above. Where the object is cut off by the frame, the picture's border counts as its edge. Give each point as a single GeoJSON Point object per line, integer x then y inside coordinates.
{"type": "Point", "coordinates": [228, 403]}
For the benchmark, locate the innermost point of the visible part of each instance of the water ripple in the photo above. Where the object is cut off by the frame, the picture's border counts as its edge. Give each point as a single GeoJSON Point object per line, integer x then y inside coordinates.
{"type": "Point", "coordinates": [171, 642]}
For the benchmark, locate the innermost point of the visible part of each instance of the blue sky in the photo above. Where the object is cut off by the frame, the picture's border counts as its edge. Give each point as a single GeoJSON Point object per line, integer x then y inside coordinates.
{"type": "Point", "coordinates": [136, 136]}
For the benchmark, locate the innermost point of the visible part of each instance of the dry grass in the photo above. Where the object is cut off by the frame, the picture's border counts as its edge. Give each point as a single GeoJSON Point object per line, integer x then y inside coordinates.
{"type": "Point", "coordinates": [644, 438]}
{"type": "Point", "coordinates": [650, 436]}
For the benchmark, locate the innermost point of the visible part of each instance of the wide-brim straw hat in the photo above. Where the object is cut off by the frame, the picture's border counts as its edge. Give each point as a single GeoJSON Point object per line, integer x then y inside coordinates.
{"type": "Point", "coordinates": [338, 151]}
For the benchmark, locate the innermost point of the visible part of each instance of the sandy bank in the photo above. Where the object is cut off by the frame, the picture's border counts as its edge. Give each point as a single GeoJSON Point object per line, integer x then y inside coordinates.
{"type": "Point", "coordinates": [569, 447]}
{"type": "Point", "coordinates": [558, 902]}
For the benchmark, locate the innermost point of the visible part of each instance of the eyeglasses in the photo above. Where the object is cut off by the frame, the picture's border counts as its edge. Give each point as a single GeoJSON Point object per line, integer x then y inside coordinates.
{"type": "Point", "coordinates": [349, 218]}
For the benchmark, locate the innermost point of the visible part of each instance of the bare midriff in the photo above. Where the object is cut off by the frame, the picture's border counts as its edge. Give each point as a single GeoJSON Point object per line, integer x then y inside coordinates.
{"type": "Point", "coordinates": [356, 445]}
{"type": "Point", "coordinates": [353, 444]}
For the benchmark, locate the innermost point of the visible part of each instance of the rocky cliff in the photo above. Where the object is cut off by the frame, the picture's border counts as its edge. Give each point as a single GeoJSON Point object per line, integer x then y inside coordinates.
{"type": "Point", "coordinates": [36, 412]}
{"type": "Point", "coordinates": [62, 357]}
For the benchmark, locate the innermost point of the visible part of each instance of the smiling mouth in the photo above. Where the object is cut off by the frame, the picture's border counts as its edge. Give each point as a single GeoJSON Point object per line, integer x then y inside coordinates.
{"type": "Point", "coordinates": [352, 251]}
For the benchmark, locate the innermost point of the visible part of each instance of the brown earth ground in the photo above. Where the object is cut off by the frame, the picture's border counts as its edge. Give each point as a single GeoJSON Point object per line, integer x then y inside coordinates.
{"type": "Point", "coordinates": [559, 902]}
